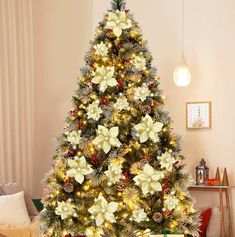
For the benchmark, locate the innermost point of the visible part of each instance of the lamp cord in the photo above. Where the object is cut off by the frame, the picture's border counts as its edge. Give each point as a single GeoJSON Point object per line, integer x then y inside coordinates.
{"type": "Point", "coordinates": [182, 43]}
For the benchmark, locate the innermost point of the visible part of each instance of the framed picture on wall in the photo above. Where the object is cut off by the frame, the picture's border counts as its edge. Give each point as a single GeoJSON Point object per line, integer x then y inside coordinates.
{"type": "Point", "coordinates": [198, 115]}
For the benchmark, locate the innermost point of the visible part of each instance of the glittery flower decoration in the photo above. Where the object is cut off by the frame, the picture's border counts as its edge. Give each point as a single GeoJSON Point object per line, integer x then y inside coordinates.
{"type": "Point", "coordinates": [94, 111]}
{"type": "Point", "coordinates": [103, 211]}
{"type": "Point", "coordinates": [118, 21]}
{"type": "Point", "coordinates": [149, 180]}
{"type": "Point", "coordinates": [166, 161]}
{"type": "Point", "coordinates": [104, 77]}
{"type": "Point", "coordinates": [140, 63]}
{"type": "Point", "coordinates": [101, 49]}
{"type": "Point", "coordinates": [141, 93]}
{"type": "Point", "coordinates": [64, 210]}
{"type": "Point", "coordinates": [78, 169]}
{"type": "Point", "coordinates": [148, 129]}
{"type": "Point", "coordinates": [106, 138]}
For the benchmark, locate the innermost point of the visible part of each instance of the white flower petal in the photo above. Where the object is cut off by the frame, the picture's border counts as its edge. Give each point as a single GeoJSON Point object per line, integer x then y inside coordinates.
{"type": "Point", "coordinates": [72, 163]}
{"type": "Point", "coordinates": [79, 178]}
{"type": "Point", "coordinates": [112, 82]}
{"type": "Point", "coordinates": [110, 217]}
{"type": "Point", "coordinates": [112, 207]}
{"type": "Point", "coordinates": [156, 186]}
{"type": "Point", "coordinates": [106, 146]}
{"type": "Point", "coordinates": [99, 220]}
{"type": "Point", "coordinates": [102, 210]}
{"type": "Point", "coordinates": [143, 137]}
{"type": "Point", "coordinates": [71, 172]}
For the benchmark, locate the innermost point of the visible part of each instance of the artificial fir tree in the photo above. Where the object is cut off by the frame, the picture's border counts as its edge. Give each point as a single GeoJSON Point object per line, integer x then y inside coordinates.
{"type": "Point", "coordinates": [118, 169]}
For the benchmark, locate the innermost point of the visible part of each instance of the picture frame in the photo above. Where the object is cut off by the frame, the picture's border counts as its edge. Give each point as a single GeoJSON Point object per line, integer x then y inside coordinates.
{"type": "Point", "coordinates": [198, 115]}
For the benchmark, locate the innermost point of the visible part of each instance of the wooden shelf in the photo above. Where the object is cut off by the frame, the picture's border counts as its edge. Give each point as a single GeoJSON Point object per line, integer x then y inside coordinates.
{"type": "Point", "coordinates": [207, 188]}
{"type": "Point", "coordinates": [221, 190]}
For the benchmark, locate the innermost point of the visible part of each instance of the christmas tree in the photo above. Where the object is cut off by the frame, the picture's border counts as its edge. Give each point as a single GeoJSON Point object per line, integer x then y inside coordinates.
{"type": "Point", "coordinates": [118, 170]}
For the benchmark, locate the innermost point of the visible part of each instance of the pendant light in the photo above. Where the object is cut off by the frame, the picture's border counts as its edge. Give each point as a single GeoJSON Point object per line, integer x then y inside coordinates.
{"type": "Point", "coordinates": [182, 74]}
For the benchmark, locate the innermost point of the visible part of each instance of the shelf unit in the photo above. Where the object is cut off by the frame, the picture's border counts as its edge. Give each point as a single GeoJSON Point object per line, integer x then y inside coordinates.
{"type": "Point", "coordinates": [222, 190]}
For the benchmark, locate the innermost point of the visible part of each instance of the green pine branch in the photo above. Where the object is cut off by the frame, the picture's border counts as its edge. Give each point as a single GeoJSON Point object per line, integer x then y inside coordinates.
{"type": "Point", "coordinates": [118, 5]}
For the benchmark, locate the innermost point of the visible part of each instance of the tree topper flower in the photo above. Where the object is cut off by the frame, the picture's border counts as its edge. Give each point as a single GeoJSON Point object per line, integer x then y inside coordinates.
{"type": "Point", "coordinates": [148, 129]}
{"type": "Point", "coordinates": [107, 138]}
{"type": "Point", "coordinates": [102, 210]}
{"type": "Point", "coordinates": [118, 21]}
{"type": "Point", "coordinates": [78, 169]}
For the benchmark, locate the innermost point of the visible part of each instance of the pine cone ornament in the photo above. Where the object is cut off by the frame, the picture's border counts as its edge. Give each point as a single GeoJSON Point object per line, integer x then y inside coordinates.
{"type": "Point", "coordinates": [158, 217]}
{"type": "Point", "coordinates": [167, 191]}
{"type": "Point", "coordinates": [121, 186]}
{"type": "Point", "coordinates": [146, 109]}
{"type": "Point", "coordinates": [68, 187]}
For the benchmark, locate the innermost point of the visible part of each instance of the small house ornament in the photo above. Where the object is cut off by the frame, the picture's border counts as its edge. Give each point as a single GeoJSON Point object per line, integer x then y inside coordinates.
{"type": "Point", "coordinates": [202, 173]}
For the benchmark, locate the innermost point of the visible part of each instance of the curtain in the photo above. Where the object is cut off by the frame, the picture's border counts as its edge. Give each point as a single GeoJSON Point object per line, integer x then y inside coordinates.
{"type": "Point", "coordinates": [16, 92]}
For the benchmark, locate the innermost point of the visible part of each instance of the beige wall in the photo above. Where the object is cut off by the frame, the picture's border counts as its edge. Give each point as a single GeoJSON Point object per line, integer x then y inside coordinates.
{"type": "Point", "coordinates": [62, 34]}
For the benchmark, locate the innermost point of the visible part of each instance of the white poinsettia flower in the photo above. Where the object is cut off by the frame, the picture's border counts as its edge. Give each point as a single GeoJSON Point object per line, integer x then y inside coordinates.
{"type": "Point", "coordinates": [166, 161]}
{"type": "Point", "coordinates": [148, 129]}
{"type": "Point", "coordinates": [101, 49]}
{"type": "Point", "coordinates": [114, 173]}
{"type": "Point", "coordinates": [104, 77]}
{"type": "Point", "coordinates": [103, 211]}
{"type": "Point", "coordinates": [118, 21]}
{"type": "Point", "coordinates": [106, 138]}
{"type": "Point", "coordinates": [78, 169]}
{"type": "Point", "coordinates": [140, 63]}
{"type": "Point", "coordinates": [121, 103]}
{"type": "Point", "coordinates": [171, 202]}
{"type": "Point", "coordinates": [139, 215]}
{"type": "Point", "coordinates": [142, 92]}
{"type": "Point", "coordinates": [94, 232]}
{"type": "Point", "coordinates": [148, 180]}
{"type": "Point", "coordinates": [94, 111]}
{"type": "Point", "coordinates": [74, 138]}
{"type": "Point", "coordinates": [64, 210]}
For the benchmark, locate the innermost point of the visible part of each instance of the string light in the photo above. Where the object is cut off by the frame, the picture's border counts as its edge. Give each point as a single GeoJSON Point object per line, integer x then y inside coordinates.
{"type": "Point", "coordinates": [86, 187]}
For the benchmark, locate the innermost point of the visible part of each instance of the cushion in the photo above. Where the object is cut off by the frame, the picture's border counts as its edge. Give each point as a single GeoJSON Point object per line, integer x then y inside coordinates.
{"type": "Point", "coordinates": [15, 188]}
{"type": "Point", "coordinates": [2, 192]}
{"type": "Point", "coordinates": [205, 218]}
{"type": "Point", "coordinates": [213, 229]}
{"type": "Point", "coordinates": [13, 210]}
{"type": "Point", "coordinates": [18, 231]}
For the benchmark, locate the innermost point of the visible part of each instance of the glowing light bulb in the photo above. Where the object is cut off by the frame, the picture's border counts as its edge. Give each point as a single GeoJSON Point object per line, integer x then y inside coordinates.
{"type": "Point", "coordinates": [182, 74]}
